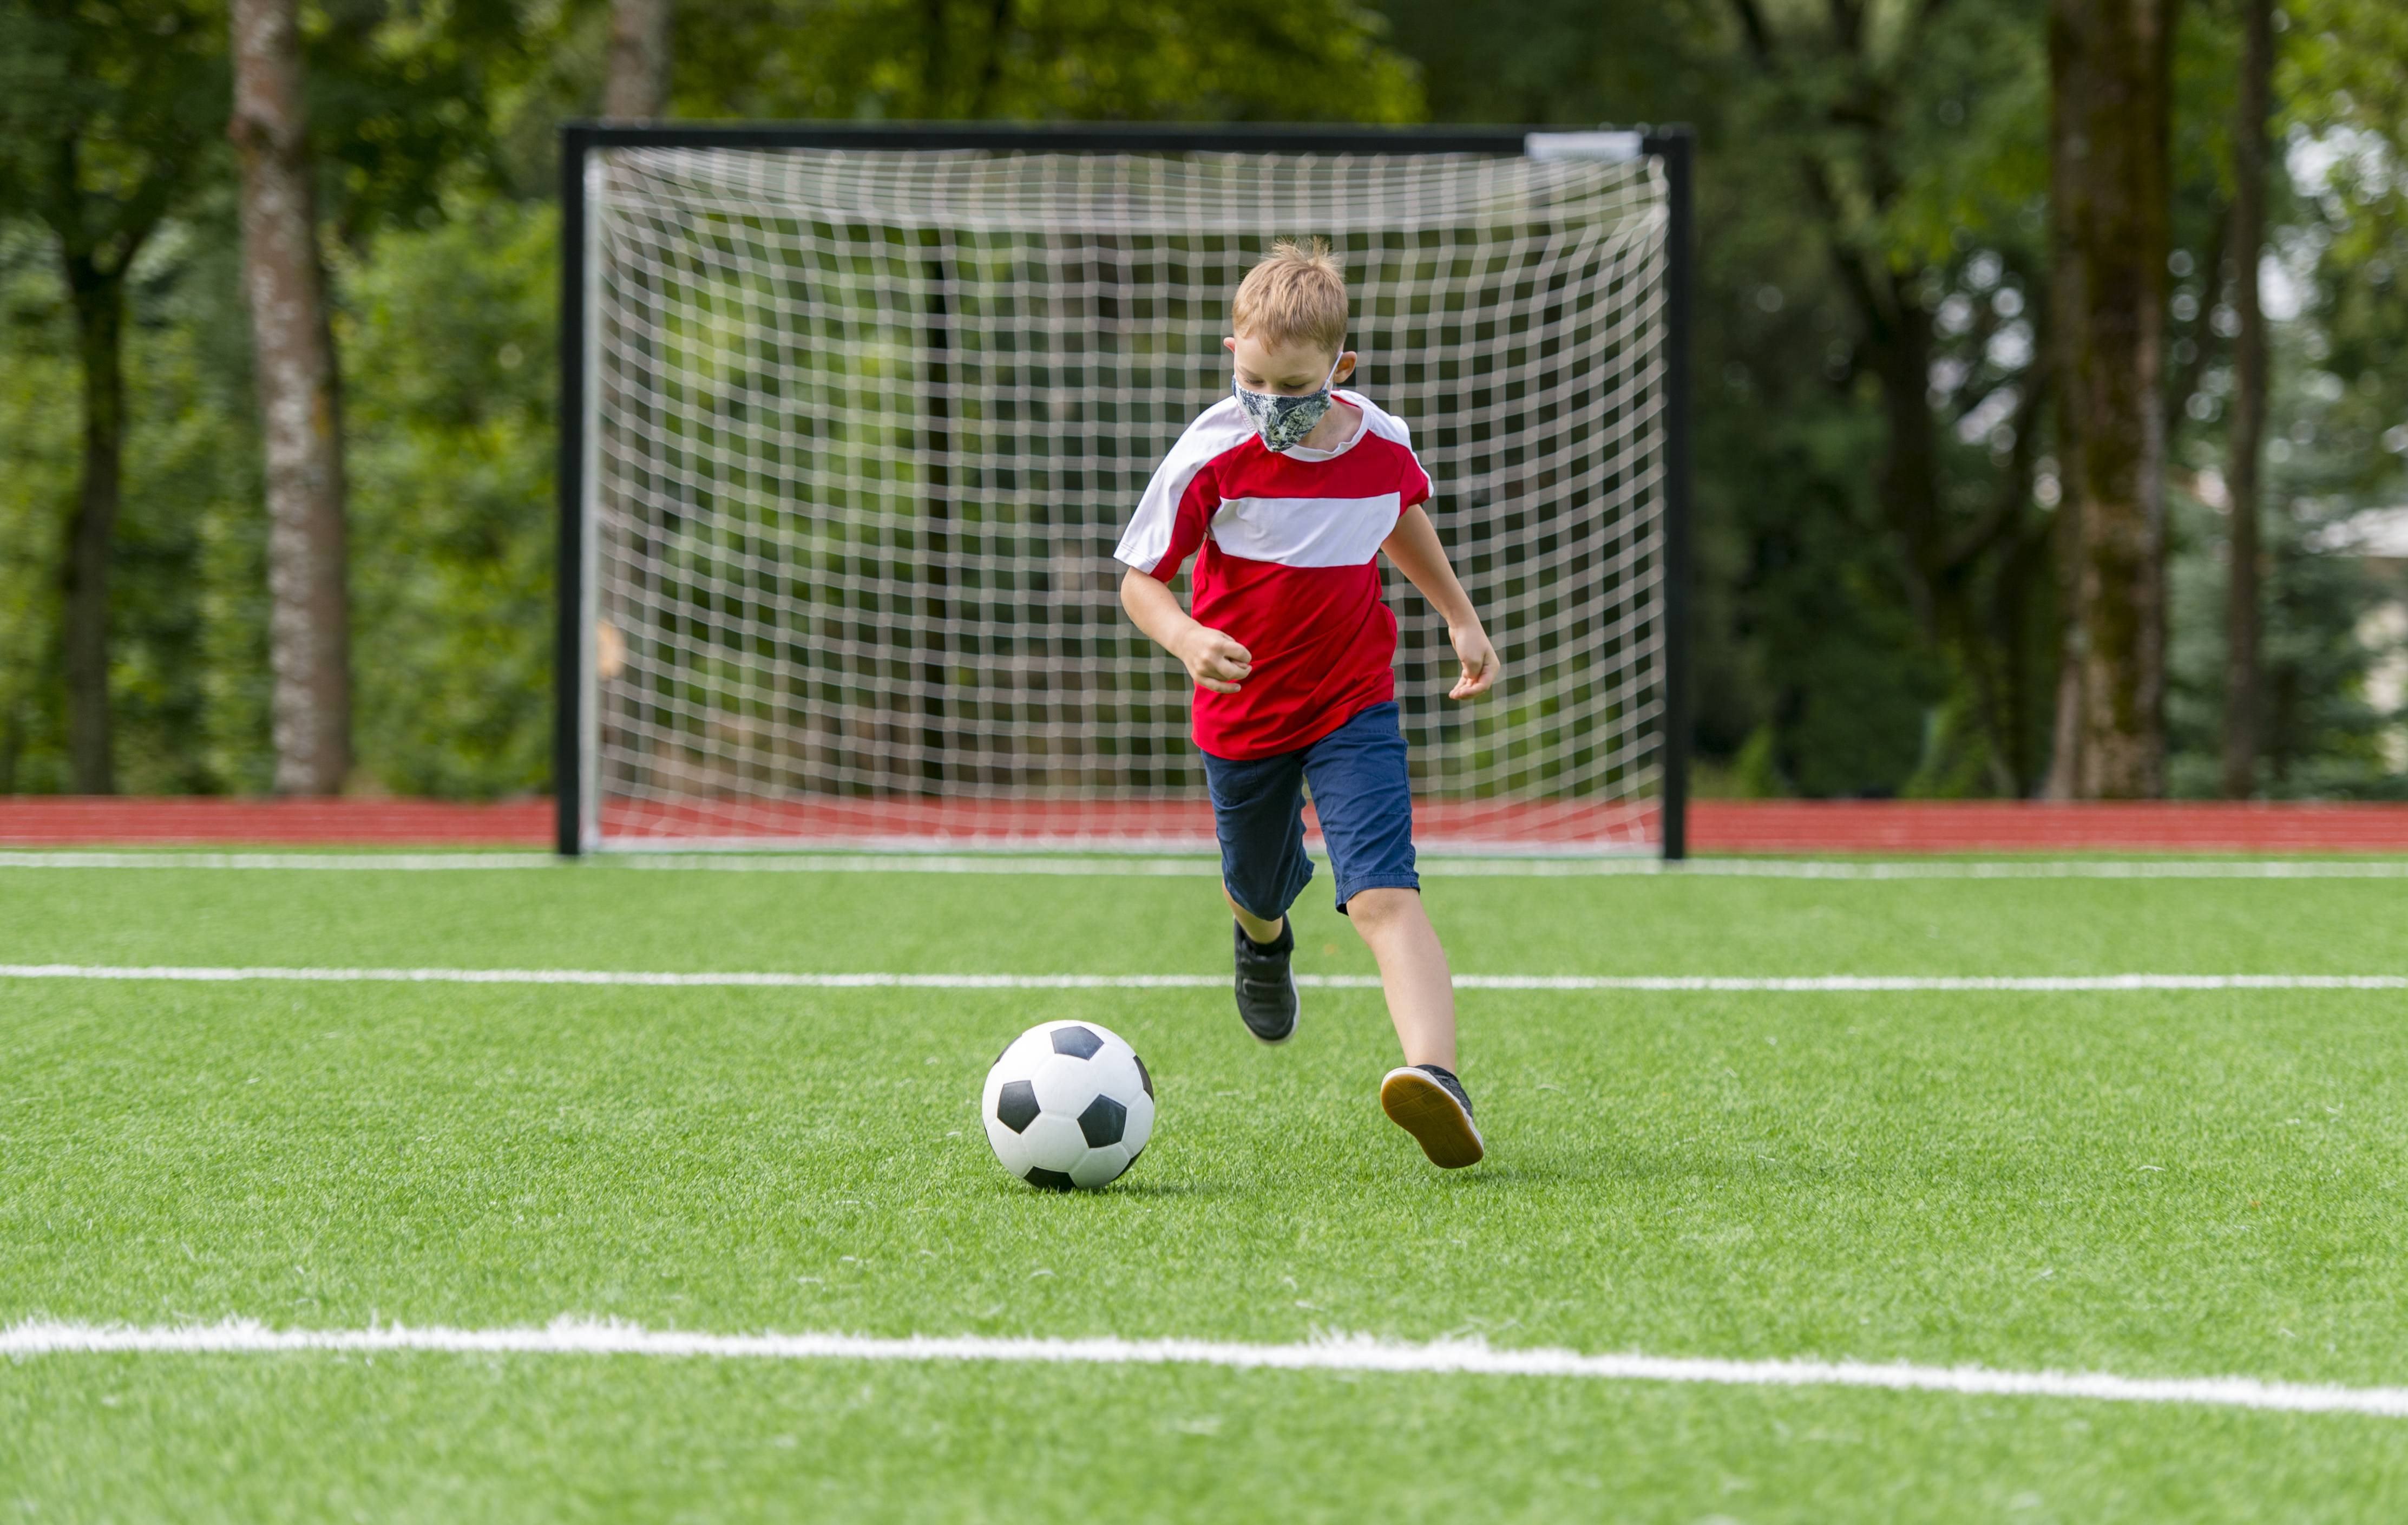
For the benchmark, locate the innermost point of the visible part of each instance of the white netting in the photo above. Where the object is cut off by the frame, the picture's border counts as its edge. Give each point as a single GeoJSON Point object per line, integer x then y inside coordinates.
{"type": "Point", "coordinates": [864, 427]}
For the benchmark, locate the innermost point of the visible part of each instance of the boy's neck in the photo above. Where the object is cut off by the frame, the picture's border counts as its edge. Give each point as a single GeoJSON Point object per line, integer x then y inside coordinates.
{"type": "Point", "coordinates": [1337, 426]}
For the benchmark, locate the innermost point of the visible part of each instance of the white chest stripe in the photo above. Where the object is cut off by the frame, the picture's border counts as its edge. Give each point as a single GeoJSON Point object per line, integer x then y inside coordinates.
{"type": "Point", "coordinates": [1307, 531]}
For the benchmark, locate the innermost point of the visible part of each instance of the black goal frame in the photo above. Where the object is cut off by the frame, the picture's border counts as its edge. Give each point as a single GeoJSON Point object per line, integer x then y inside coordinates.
{"type": "Point", "coordinates": [1674, 147]}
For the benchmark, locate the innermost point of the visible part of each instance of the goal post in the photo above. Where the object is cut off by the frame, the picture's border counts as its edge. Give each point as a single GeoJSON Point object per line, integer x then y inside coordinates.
{"type": "Point", "coordinates": [851, 417]}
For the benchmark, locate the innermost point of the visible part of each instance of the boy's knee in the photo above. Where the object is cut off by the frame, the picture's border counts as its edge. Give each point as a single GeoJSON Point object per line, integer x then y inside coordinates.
{"type": "Point", "coordinates": [1373, 909]}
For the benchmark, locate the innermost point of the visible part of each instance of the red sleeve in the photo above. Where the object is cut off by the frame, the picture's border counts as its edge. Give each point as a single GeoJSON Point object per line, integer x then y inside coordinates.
{"type": "Point", "coordinates": [1196, 505]}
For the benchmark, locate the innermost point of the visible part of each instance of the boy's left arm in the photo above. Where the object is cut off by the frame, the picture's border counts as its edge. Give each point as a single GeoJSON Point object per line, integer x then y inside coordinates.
{"type": "Point", "coordinates": [1413, 547]}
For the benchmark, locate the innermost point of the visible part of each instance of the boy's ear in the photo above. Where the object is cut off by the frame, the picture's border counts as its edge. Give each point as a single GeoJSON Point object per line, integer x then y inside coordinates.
{"type": "Point", "coordinates": [1346, 365]}
{"type": "Point", "coordinates": [1230, 344]}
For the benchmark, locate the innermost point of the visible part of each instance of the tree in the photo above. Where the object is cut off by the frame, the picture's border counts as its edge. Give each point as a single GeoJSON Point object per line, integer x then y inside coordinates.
{"type": "Point", "coordinates": [1873, 560]}
{"type": "Point", "coordinates": [2248, 425]}
{"type": "Point", "coordinates": [637, 88]}
{"type": "Point", "coordinates": [310, 630]}
{"type": "Point", "coordinates": [2109, 118]}
{"type": "Point", "coordinates": [1871, 420]}
{"type": "Point", "coordinates": [1820, 667]}
{"type": "Point", "coordinates": [108, 114]}
{"type": "Point", "coordinates": [2343, 93]}
{"type": "Point", "coordinates": [386, 109]}
{"type": "Point", "coordinates": [1868, 185]}
{"type": "Point", "coordinates": [1918, 225]}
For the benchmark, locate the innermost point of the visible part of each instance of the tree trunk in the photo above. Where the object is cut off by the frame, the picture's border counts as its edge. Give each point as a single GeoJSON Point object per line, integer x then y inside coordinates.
{"type": "Point", "coordinates": [2067, 88]}
{"type": "Point", "coordinates": [309, 628]}
{"type": "Point", "coordinates": [100, 321]}
{"type": "Point", "coordinates": [2109, 63]}
{"type": "Point", "coordinates": [638, 89]}
{"type": "Point", "coordinates": [2248, 425]}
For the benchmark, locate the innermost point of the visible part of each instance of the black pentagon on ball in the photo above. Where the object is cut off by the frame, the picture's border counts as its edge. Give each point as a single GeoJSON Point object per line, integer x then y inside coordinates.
{"type": "Point", "coordinates": [1016, 1107]}
{"type": "Point", "coordinates": [1048, 1180]}
{"type": "Point", "coordinates": [1102, 1122]}
{"type": "Point", "coordinates": [1145, 1075]}
{"type": "Point", "coordinates": [1076, 1042]}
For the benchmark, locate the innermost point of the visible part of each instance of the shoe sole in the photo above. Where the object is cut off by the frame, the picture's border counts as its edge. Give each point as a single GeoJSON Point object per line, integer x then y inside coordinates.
{"type": "Point", "coordinates": [1426, 1110]}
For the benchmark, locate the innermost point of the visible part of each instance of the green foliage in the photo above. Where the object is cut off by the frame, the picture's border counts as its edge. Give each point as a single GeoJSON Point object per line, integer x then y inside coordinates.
{"type": "Point", "coordinates": [188, 600]}
{"type": "Point", "coordinates": [2322, 737]}
{"type": "Point", "coordinates": [108, 109]}
{"type": "Point", "coordinates": [2322, 734]}
{"type": "Point", "coordinates": [1872, 279]}
{"type": "Point", "coordinates": [1971, 135]}
{"type": "Point", "coordinates": [2340, 71]}
{"type": "Point", "coordinates": [404, 98]}
{"type": "Point", "coordinates": [2337, 422]}
{"type": "Point", "coordinates": [41, 424]}
{"type": "Point", "coordinates": [1863, 165]}
{"type": "Point", "coordinates": [447, 338]}
{"type": "Point", "coordinates": [131, 99]}
{"type": "Point", "coordinates": [1898, 340]}
{"type": "Point", "coordinates": [1568, 61]}
{"type": "Point", "coordinates": [111, 117]}
{"type": "Point", "coordinates": [1038, 60]}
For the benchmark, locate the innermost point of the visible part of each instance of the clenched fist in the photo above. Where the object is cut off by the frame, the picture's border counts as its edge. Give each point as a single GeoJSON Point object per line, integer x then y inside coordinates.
{"type": "Point", "coordinates": [1213, 660]}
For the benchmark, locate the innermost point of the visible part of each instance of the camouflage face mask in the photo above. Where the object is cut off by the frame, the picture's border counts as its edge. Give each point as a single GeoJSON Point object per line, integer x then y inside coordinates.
{"type": "Point", "coordinates": [1283, 421]}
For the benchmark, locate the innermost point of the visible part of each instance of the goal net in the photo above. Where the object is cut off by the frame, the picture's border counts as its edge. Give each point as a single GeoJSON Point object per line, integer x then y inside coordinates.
{"type": "Point", "coordinates": [861, 426]}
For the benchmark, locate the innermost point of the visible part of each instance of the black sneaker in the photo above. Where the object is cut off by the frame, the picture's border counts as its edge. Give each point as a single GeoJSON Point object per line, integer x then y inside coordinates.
{"type": "Point", "coordinates": [1266, 987]}
{"type": "Point", "coordinates": [1428, 1103]}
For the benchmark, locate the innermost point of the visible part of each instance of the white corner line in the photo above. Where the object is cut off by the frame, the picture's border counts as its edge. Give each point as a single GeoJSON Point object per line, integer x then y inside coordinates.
{"type": "Point", "coordinates": [1338, 1353]}
{"type": "Point", "coordinates": [405, 862]}
{"type": "Point", "coordinates": [1781, 984]}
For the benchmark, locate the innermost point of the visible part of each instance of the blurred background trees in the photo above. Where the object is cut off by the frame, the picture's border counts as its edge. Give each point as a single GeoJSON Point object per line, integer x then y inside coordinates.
{"type": "Point", "coordinates": [1882, 485]}
{"type": "Point", "coordinates": [107, 116]}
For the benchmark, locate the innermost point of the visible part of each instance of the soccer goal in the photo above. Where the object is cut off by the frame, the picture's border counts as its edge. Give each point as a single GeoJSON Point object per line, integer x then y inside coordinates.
{"type": "Point", "coordinates": [853, 417]}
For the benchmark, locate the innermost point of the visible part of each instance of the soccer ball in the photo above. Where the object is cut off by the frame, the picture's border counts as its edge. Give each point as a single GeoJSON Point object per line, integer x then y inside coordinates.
{"type": "Point", "coordinates": [1069, 1104]}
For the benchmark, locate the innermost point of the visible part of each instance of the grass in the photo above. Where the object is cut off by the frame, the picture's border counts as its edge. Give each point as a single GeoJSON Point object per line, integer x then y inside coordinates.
{"type": "Point", "coordinates": [1940, 1179]}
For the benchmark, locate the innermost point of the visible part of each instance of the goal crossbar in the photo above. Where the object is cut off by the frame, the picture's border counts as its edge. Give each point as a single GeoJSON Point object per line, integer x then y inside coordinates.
{"type": "Point", "coordinates": [851, 415]}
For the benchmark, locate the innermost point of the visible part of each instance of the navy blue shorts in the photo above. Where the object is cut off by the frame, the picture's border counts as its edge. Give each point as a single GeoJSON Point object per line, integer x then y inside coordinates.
{"type": "Point", "coordinates": [1360, 790]}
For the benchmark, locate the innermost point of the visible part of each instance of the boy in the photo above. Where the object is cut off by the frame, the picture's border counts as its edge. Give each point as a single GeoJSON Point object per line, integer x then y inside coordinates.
{"type": "Point", "coordinates": [1290, 490]}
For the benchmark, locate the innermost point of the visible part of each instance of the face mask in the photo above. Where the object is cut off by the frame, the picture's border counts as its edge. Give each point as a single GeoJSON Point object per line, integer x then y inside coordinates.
{"type": "Point", "coordinates": [1283, 421]}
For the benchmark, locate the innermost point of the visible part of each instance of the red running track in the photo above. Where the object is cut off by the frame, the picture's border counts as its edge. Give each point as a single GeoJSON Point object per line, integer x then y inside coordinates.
{"type": "Point", "coordinates": [1715, 825]}
{"type": "Point", "coordinates": [126, 821]}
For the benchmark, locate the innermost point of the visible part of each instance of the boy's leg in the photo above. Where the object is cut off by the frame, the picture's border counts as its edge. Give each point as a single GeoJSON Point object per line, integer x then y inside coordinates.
{"type": "Point", "coordinates": [1258, 815]}
{"type": "Point", "coordinates": [1363, 792]}
{"type": "Point", "coordinates": [1264, 933]}
{"type": "Point", "coordinates": [1413, 973]}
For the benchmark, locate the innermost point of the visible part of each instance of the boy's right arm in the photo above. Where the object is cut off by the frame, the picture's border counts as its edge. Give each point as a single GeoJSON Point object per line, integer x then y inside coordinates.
{"type": "Point", "coordinates": [1212, 660]}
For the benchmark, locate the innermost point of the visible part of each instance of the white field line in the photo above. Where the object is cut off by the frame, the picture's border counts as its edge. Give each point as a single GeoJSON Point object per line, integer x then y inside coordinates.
{"type": "Point", "coordinates": [576, 1337]}
{"type": "Point", "coordinates": [1668, 983]}
{"type": "Point", "coordinates": [781, 863]}
{"type": "Point", "coordinates": [898, 862]}
{"type": "Point", "coordinates": [1437, 864]}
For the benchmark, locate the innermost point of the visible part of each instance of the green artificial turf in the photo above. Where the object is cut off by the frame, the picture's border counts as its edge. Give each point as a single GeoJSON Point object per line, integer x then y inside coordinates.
{"type": "Point", "coordinates": [1936, 1178]}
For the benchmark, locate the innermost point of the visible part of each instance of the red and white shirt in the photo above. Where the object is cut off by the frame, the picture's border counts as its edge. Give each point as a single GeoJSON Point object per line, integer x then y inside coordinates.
{"type": "Point", "coordinates": [1289, 568]}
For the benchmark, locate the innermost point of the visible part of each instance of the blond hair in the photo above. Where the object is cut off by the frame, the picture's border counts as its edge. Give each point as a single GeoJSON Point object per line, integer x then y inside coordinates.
{"type": "Point", "coordinates": [1296, 294]}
